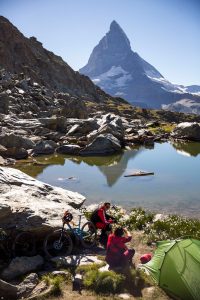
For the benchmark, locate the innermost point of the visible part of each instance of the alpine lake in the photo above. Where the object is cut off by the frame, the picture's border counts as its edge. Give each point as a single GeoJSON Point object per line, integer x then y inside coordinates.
{"type": "Point", "coordinates": [174, 188]}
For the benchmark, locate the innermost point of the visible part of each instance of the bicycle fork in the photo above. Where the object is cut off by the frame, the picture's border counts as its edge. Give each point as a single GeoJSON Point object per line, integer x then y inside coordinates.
{"type": "Point", "coordinates": [61, 236]}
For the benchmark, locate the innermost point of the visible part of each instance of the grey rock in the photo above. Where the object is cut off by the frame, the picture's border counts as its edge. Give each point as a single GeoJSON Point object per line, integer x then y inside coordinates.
{"type": "Point", "coordinates": [15, 152]}
{"type": "Point", "coordinates": [34, 205]}
{"type": "Point", "coordinates": [69, 149]}
{"type": "Point", "coordinates": [44, 147]}
{"type": "Point", "coordinates": [187, 130]}
{"type": "Point", "coordinates": [83, 127]}
{"type": "Point", "coordinates": [111, 129]}
{"type": "Point", "coordinates": [102, 145]}
{"type": "Point", "coordinates": [22, 265]}
{"type": "Point", "coordinates": [27, 285]}
{"type": "Point", "coordinates": [74, 260]}
{"type": "Point", "coordinates": [12, 140]}
{"type": "Point", "coordinates": [62, 273]}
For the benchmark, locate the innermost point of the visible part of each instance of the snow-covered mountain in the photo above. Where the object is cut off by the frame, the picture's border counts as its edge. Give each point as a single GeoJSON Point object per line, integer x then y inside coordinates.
{"type": "Point", "coordinates": [185, 105]}
{"type": "Point", "coordinates": [123, 73]}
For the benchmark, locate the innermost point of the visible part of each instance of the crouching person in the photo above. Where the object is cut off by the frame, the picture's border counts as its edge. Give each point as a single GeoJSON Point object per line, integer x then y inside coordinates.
{"type": "Point", "coordinates": [118, 255]}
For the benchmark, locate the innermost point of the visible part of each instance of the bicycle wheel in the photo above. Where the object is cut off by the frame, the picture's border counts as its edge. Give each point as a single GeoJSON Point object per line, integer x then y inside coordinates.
{"type": "Point", "coordinates": [58, 243]}
{"type": "Point", "coordinates": [24, 244]}
{"type": "Point", "coordinates": [89, 235]}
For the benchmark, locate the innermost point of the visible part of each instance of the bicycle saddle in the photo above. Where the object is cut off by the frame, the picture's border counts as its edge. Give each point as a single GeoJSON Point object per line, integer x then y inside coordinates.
{"type": "Point", "coordinates": [67, 217]}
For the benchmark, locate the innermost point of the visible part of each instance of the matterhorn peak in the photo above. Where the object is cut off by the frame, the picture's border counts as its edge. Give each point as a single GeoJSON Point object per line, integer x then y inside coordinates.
{"type": "Point", "coordinates": [114, 25]}
{"type": "Point", "coordinates": [114, 46]}
{"type": "Point", "coordinates": [117, 33]}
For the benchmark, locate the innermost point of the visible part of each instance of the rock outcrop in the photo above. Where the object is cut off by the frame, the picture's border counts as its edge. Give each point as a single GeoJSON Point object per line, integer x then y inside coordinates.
{"type": "Point", "coordinates": [33, 205]}
{"type": "Point", "coordinates": [22, 265]}
{"type": "Point", "coordinates": [103, 144]}
{"type": "Point", "coordinates": [187, 130]}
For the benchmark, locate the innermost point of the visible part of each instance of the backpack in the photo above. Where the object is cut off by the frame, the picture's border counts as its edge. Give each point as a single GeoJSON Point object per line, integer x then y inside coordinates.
{"type": "Point", "coordinates": [94, 218]}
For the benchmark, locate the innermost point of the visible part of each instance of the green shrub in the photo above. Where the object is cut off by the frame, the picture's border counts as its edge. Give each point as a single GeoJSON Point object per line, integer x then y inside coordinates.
{"type": "Point", "coordinates": [82, 269]}
{"type": "Point", "coordinates": [139, 219]}
{"type": "Point", "coordinates": [89, 279]}
{"type": "Point", "coordinates": [173, 227]}
{"type": "Point", "coordinates": [55, 281]}
{"type": "Point", "coordinates": [107, 282]}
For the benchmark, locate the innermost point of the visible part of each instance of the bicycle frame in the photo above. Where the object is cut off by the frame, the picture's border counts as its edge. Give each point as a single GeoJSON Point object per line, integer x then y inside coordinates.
{"type": "Point", "coordinates": [76, 230]}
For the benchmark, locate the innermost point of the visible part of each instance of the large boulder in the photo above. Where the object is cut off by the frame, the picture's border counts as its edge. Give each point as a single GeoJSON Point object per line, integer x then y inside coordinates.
{"type": "Point", "coordinates": [22, 265]}
{"type": "Point", "coordinates": [187, 130]}
{"type": "Point", "coordinates": [35, 206]}
{"type": "Point", "coordinates": [15, 152]}
{"type": "Point", "coordinates": [102, 145]}
{"type": "Point", "coordinates": [44, 147]}
{"type": "Point", "coordinates": [11, 140]}
{"type": "Point", "coordinates": [27, 285]}
{"type": "Point", "coordinates": [113, 129]}
{"type": "Point", "coordinates": [68, 149]}
{"type": "Point", "coordinates": [83, 127]}
{"type": "Point", "coordinates": [110, 118]}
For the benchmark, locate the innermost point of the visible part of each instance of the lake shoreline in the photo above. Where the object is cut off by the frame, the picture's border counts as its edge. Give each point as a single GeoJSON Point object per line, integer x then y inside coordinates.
{"type": "Point", "coordinates": [172, 189]}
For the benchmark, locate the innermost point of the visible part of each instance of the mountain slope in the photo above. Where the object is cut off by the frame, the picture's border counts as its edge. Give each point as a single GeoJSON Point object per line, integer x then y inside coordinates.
{"type": "Point", "coordinates": [20, 54]}
{"type": "Point", "coordinates": [121, 72]}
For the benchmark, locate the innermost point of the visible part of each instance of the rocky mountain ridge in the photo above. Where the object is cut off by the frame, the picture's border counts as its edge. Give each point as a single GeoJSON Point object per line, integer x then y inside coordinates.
{"type": "Point", "coordinates": [122, 72]}
{"type": "Point", "coordinates": [19, 54]}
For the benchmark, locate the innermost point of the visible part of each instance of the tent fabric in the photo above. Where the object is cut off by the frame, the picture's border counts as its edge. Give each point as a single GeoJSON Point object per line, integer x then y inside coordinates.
{"type": "Point", "coordinates": [175, 267]}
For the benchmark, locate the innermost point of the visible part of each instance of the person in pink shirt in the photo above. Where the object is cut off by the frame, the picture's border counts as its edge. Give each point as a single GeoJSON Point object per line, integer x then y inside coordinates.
{"type": "Point", "coordinates": [118, 254]}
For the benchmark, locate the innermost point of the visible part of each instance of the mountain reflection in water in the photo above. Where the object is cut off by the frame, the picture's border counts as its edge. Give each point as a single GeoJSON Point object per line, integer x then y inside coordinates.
{"type": "Point", "coordinates": [174, 187]}
{"type": "Point", "coordinates": [112, 167]}
{"type": "Point", "coordinates": [187, 148]}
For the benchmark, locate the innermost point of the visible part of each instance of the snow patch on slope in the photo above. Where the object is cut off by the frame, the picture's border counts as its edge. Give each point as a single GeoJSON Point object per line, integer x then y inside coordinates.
{"type": "Point", "coordinates": [115, 77]}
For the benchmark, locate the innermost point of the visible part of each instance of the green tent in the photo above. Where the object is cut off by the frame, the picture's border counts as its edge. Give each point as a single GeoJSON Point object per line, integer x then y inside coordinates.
{"type": "Point", "coordinates": [175, 267]}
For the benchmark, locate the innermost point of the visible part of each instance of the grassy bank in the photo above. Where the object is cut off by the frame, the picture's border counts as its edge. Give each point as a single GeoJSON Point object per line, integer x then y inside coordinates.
{"type": "Point", "coordinates": [157, 228]}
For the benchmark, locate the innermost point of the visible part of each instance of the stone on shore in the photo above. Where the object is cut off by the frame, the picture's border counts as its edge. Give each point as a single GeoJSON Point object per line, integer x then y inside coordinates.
{"type": "Point", "coordinates": [22, 265]}
{"type": "Point", "coordinates": [33, 205]}
{"type": "Point", "coordinates": [187, 130]}
{"type": "Point", "coordinates": [75, 260]}
{"type": "Point", "coordinates": [102, 145]}
{"type": "Point", "coordinates": [68, 149]}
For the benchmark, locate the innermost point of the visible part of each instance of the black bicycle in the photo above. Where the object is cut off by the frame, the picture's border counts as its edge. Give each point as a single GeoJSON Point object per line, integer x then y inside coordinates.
{"type": "Point", "coordinates": [60, 242]}
{"type": "Point", "coordinates": [14, 242]}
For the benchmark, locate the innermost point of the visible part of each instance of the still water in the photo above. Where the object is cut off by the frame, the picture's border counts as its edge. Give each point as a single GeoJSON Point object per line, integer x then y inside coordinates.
{"type": "Point", "coordinates": [174, 187]}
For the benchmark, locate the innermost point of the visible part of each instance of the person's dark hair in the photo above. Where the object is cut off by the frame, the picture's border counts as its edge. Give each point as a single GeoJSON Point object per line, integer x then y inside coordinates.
{"type": "Point", "coordinates": [106, 203]}
{"type": "Point", "coordinates": [119, 231]}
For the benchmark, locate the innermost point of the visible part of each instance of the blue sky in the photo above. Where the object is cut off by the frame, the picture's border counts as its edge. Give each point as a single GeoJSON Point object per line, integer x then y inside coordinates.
{"type": "Point", "coordinates": [166, 33]}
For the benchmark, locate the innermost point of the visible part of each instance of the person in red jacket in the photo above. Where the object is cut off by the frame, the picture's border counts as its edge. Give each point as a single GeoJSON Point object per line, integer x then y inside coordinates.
{"type": "Point", "coordinates": [118, 254]}
{"type": "Point", "coordinates": [103, 221]}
